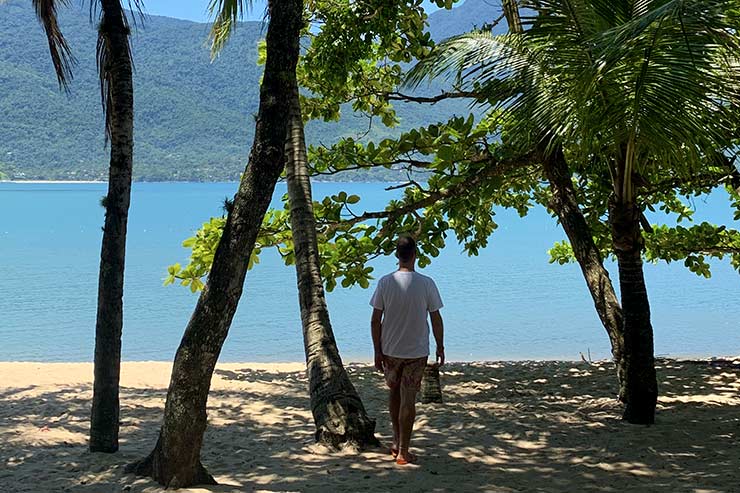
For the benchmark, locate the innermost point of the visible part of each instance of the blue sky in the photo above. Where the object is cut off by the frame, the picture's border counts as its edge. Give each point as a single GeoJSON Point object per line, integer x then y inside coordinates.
{"type": "Point", "coordinates": [195, 10]}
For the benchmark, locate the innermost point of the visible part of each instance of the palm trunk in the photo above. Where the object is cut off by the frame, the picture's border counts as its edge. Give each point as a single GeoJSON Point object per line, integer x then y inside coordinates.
{"type": "Point", "coordinates": [114, 33]}
{"type": "Point", "coordinates": [511, 12]}
{"type": "Point", "coordinates": [565, 205]}
{"type": "Point", "coordinates": [639, 385]}
{"type": "Point", "coordinates": [175, 460]}
{"type": "Point", "coordinates": [338, 412]}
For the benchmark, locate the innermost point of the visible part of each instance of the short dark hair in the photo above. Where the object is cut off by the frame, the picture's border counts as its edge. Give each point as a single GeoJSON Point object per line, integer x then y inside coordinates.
{"type": "Point", "coordinates": [405, 248]}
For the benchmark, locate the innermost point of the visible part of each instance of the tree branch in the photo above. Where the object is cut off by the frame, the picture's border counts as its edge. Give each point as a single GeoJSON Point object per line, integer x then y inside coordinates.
{"type": "Point", "coordinates": [730, 175]}
{"type": "Point", "coordinates": [713, 250]}
{"type": "Point", "coordinates": [495, 168]}
{"type": "Point", "coordinates": [398, 96]}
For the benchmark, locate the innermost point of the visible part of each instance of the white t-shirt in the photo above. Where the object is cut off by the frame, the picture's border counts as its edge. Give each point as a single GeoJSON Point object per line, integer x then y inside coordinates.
{"type": "Point", "coordinates": [406, 298]}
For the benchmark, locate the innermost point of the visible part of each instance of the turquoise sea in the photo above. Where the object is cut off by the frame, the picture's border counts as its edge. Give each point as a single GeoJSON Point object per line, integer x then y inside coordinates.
{"type": "Point", "coordinates": [507, 303]}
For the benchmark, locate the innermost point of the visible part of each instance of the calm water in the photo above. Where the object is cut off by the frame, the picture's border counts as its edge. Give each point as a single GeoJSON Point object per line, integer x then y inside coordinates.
{"type": "Point", "coordinates": [508, 303]}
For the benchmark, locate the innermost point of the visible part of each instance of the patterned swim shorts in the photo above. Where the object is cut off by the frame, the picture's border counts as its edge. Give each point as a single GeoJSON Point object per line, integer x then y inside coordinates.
{"type": "Point", "coordinates": [406, 372]}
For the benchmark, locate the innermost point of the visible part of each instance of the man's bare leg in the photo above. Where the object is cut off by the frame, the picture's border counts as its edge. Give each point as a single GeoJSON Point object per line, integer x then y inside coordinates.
{"type": "Point", "coordinates": [394, 403]}
{"type": "Point", "coordinates": [406, 417]}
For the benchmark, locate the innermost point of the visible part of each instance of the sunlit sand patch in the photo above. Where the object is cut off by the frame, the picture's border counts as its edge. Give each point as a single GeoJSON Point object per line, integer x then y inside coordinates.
{"type": "Point", "coordinates": [541, 426]}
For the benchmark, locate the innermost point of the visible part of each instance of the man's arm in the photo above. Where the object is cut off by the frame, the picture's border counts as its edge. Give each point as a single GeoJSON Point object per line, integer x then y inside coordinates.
{"type": "Point", "coordinates": [376, 328]}
{"type": "Point", "coordinates": [439, 335]}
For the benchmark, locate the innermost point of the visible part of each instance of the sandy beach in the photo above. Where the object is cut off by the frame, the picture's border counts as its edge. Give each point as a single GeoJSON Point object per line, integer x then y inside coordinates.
{"type": "Point", "coordinates": [524, 426]}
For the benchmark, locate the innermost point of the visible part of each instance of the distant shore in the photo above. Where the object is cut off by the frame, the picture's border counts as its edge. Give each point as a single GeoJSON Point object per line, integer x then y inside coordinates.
{"type": "Point", "coordinates": [77, 182]}
{"type": "Point", "coordinates": [61, 182]}
{"type": "Point", "coordinates": [504, 426]}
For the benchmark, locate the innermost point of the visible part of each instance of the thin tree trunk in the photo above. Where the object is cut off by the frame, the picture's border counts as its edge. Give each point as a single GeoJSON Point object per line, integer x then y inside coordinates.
{"type": "Point", "coordinates": [119, 100]}
{"type": "Point", "coordinates": [565, 204]}
{"type": "Point", "coordinates": [338, 412]}
{"type": "Point", "coordinates": [511, 12]}
{"type": "Point", "coordinates": [175, 460]}
{"type": "Point", "coordinates": [639, 383]}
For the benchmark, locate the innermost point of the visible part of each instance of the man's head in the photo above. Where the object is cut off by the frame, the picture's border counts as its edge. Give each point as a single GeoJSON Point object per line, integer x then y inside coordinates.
{"type": "Point", "coordinates": [406, 249]}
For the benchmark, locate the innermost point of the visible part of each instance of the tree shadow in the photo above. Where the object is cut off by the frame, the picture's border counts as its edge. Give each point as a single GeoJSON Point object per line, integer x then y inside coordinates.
{"type": "Point", "coordinates": [525, 426]}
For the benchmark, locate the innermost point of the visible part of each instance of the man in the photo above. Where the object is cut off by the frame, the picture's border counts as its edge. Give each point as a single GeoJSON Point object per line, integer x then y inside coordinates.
{"type": "Point", "coordinates": [400, 333]}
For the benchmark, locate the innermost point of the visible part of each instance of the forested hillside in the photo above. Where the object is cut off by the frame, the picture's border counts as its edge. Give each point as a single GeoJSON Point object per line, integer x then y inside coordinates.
{"type": "Point", "coordinates": [192, 115]}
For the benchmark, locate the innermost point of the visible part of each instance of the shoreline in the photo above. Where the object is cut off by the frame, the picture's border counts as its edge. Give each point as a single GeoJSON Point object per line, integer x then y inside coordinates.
{"type": "Point", "coordinates": [680, 358]}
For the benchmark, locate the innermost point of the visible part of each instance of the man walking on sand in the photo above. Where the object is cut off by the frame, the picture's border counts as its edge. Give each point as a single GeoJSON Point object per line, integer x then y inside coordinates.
{"type": "Point", "coordinates": [400, 333]}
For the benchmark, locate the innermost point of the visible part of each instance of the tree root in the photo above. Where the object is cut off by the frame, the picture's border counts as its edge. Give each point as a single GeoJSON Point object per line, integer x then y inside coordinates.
{"type": "Point", "coordinates": [145, 468]}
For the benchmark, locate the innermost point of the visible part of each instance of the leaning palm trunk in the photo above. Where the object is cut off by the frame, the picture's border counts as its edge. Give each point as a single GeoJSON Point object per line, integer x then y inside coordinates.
{"type": "Point", "coordinates": [114, 65]}
{"type": "Point", "coordinates": [337, 409]}
{"type": "Point", "coordinates": [565, 204]}
{"type": "Point", "coordinates": [175, 460]}
{"type": "Point", "coordinates": [639, 388]}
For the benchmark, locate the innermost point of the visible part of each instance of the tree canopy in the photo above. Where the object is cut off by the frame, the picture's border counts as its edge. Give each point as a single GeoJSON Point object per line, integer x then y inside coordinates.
{"type": "Point", "coordinates": [461, 170]}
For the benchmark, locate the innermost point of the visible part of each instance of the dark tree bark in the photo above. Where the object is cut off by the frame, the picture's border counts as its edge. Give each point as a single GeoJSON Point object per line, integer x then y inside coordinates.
{"type": "Point", "coordinates": [175, 460]}
{"type": "Point", "coordinates": [639, 384]}
{"type": "Point", "coordinates": [565, 204]}
{"type": "Point", "coordinates": [338, 412]}
{"type": "Point", "coordinates": [118, 97]}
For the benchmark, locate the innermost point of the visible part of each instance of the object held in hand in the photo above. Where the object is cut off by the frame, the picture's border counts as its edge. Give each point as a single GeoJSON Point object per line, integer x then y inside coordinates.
{"type": "Point", "coordinates": [431, 389]}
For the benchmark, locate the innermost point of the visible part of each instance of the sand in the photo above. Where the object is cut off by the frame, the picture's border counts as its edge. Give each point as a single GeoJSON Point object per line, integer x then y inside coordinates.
{"type": "Point", "coordinates": [524, 426]}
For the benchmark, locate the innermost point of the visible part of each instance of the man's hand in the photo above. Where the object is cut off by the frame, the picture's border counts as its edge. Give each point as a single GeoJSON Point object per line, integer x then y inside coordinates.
{"type": "Point", "coordinates": [378, 361]}
{"type": "Point", "coordinates": [440, 356]}
{"type": "Point", "coordinates": [376, 325]}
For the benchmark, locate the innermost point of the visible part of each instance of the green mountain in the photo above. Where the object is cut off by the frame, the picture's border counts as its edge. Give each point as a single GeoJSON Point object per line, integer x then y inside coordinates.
{"type": "Point", "coordinates": [466, 16]}
{"type": "Point", "coordinates": [193, 116]}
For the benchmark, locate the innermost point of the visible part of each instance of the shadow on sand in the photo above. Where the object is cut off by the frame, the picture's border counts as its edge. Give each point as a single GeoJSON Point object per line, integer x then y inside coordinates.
{"type": "Point", "coordinates": [526, 426]}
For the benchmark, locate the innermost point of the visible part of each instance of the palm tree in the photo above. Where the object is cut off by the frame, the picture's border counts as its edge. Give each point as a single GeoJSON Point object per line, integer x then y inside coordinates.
{"type": "Point", "coordinates": [625, 86]}
{"type": "Point", "coordinates": [564, 202]}
{"type": "Point", "coordinates": [338, 412]}
{"type": "Point", "coordinates": [337, 408]}
{"type": "Point", "coordinates": [175, 460]}
{"type": "Point", "coordinates": [117, 90]}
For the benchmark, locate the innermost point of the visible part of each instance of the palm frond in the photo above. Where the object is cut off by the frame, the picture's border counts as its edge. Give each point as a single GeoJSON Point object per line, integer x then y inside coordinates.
{"type": "Point", "coordinates": [138, 11]}
{"type": "Point", "coordinates": [661, 77]}
{"type": "Point", "coordinates": [675, 75]}
{"type": "Point", "coordinates": [576, 20]}
{"type": "Point", "coordinates": [227, 14]}
{"type": "Point", "coordinates": [61, 54]}
{"type": "Point", "coordinates": [464, 56]}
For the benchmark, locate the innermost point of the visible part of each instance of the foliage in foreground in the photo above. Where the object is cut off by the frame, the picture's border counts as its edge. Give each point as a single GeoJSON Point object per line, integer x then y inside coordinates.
{"type": "Point", "coordinates": [473, 167]}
